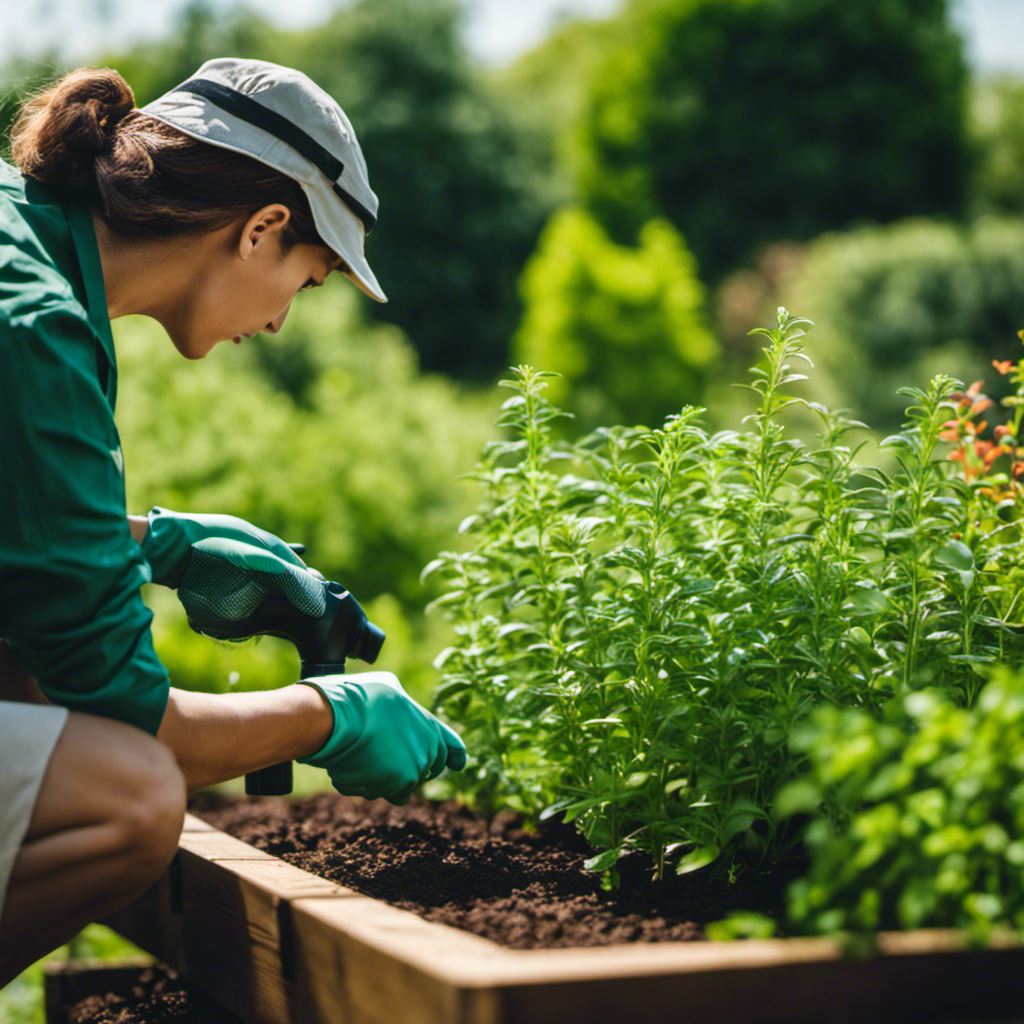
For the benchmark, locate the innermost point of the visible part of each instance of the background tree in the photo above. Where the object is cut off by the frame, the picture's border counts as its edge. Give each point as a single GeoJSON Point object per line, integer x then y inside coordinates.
{"type": "Point", "coordinates": [750, 121]}
{"type": "Point", "coordinates": [458, 214]}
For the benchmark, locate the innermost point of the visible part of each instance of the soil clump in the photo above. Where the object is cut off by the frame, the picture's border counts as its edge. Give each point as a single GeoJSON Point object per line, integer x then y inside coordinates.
{"type": "Point", "coordinates": [523, 889]}
{"type": "Point", "coordinates": [159, 997]}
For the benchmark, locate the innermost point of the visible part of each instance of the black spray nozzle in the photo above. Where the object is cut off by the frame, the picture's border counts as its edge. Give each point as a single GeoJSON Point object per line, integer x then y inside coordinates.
{"type": "Point", "coordinates": [232, 592]}
{"type": "Point", "coordinates": [343, 632]}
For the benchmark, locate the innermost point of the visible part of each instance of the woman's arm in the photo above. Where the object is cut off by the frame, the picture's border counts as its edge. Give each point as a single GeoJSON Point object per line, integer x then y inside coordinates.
{"type": "Point", "coordinates": [139, 525]}
{"type": "Point", "coordinates": [220, 736]}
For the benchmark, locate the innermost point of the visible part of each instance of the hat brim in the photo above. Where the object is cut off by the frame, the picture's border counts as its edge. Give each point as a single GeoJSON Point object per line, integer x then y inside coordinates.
{"type": "Point", "coordinates": [341, 230]}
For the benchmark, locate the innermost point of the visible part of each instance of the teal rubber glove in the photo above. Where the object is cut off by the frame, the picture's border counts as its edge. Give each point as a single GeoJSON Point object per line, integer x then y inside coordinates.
{"type": "Point", "coordinates": [169, 539]}
{"type": "Point", "coordinates": [383, 743]}
{"type": "Point", "coordinates": [226, 581]}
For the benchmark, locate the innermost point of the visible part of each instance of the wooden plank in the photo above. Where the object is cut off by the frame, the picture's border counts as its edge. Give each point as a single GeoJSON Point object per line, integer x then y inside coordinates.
{"type": "Point", "coordinates": [67, 982]}
{"type": "Point", "coordinates": [235, 928]}
{"type": "Point", "coordinates": [360, 961]}
{"type": "Point", "coordinates": [888, 990]}
{"type": "Point", "coordinates": [278, 945]}
{"type": "Point", "coordinates": [215, 845]}
{"type": "Point", "coordinates": [152, 921]}
{"type": "Point", "coordinates": [194, 824]}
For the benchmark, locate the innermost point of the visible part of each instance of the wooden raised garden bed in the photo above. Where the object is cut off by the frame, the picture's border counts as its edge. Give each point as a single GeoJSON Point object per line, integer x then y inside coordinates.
{"type": "Point", "coordinates": [277, 945]}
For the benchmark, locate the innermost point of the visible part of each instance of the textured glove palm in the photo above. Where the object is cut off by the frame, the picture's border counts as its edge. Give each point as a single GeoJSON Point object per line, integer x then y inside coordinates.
{"type": "Point", "coordinates": [169, 539]}
{"type": "Point", "coordinates": [383, 743]}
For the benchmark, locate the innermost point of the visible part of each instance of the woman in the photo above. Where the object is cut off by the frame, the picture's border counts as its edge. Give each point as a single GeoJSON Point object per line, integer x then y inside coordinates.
{"type": "Point", "coordinates": [207, 210]}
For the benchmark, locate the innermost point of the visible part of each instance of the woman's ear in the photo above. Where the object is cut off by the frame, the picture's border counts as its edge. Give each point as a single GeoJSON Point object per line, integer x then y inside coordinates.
{"type": "Point", "coordinates": [265, 223]}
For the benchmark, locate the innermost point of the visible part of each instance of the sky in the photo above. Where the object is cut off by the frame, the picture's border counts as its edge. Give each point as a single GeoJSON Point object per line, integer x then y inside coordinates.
{"type": "Point", "coordinates": [497, 30]}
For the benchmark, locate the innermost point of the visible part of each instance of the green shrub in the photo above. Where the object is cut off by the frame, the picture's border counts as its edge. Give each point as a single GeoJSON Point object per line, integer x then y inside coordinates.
{"type": "Point", "coordinates": [919, 817]}
{"type": "Point", "coordinates": [624, 328]}
{"type": "Point", "coordinates": [906, 301]}
{"type": "Point", "coordinates": [644, 616]}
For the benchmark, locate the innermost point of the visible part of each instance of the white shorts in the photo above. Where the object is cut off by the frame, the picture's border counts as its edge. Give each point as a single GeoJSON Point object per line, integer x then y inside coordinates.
{"type": "Point", "coordinates": [28, 734]}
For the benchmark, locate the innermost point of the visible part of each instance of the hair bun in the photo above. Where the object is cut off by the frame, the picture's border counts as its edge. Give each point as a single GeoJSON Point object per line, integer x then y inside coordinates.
{"type": "Point", "coordinates": [63, 129]}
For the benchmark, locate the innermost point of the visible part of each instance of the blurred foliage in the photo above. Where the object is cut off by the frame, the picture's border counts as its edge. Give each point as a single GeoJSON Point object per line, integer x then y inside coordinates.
{"type": "Point", "coordinates": [997, 130]}
{"type": "Point", "coordinates": [545, 91]}
{"type": "Point", "coordinates": [751, 121]}
{"type": "Point", "coordinates": [917, 818]}
{"type": "Point", "coordinates": [325, 434]}
{"type": "Point", "coordinates": [460, 207]}
{"type": "Point", "coordinates": [910, 300]}
{"type": "Point", "coordinates": [624, 327]}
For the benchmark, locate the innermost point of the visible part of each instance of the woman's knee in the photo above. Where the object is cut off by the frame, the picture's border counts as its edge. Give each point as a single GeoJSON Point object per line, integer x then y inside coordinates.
{"type": "Point", "coordinates": [104, 772]}
{"type": "Point", "coordinates": [153, 808]}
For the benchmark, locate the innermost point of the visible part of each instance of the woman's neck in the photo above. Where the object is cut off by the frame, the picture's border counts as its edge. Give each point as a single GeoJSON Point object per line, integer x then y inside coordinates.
{"type": "Point", "coordinates": [148, 277]}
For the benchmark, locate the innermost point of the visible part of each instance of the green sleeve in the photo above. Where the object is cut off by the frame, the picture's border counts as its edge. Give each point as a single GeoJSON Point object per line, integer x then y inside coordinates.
{"type": "Point", "coordinates": [70, 571]}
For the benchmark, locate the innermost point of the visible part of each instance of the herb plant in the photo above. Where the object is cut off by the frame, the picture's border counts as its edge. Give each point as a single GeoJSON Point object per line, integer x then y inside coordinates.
{"type": "Point", "coordinates": [644, 616]}
{"type": "Point", "coordinates": [923, 815]}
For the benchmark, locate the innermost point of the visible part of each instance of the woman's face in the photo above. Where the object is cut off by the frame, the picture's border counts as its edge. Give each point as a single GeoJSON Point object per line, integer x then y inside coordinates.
{"type": "Point", "coordinates": [244, 283]}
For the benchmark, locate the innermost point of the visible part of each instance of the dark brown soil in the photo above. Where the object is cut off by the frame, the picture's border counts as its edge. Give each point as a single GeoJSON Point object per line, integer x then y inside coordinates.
{"type": "Point", "coordinates": [525, 890]}
{"type": "Point", "coordinates": [159, 997]}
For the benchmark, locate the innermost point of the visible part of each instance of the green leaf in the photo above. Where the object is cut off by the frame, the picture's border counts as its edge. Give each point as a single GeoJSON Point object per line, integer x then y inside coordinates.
{"type": "Point", "coordinates": [604, 860]}
{"type": "Point", "coordinates": [696, 859]}
{"type": "Point", "coordinates": [799, 797]}
{"type": "Point", "coordinates": [955, 554]}
{"type": "Point", "coordinates": [741, 924]}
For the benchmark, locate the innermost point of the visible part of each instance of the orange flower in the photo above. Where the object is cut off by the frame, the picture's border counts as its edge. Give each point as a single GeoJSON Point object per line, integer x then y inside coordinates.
{"type": "Point", "coordinates": [980, 406]}
{"type": "Point", "coordinates": [991, 454]}
{"type": "Point", "coordinates": [1004, 366]}
{"type": "Point", "coordinates": [1002, 430]}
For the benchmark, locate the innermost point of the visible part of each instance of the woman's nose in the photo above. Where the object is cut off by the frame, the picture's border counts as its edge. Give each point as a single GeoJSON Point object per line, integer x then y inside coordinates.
{"type": "Point", "coordinates": [275, 325]}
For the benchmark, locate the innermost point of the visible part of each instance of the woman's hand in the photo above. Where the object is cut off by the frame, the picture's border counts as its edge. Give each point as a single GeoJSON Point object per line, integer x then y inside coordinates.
{"type": "Point", "coordinates": [167, 542]}
{"type": "Point", "coordinates": [383, 743]}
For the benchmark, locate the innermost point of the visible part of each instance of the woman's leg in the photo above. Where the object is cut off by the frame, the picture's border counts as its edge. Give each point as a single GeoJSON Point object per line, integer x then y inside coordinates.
{"type": "Point", "coordinates": [105, 825]}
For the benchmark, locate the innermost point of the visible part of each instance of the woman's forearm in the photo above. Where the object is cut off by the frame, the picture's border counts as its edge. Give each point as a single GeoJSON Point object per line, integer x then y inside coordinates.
{"type": "Point", "coordinates": [220, 736]}
{"type": "Point", "coordinates": [139, 525]}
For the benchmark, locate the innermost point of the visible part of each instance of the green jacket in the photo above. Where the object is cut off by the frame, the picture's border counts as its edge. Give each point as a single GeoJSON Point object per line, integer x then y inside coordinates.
{"type": "Point", "coordinates": [70, 571]}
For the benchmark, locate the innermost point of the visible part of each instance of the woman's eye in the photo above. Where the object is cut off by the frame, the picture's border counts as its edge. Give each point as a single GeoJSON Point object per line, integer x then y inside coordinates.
{"type": "Point", "coordinates": [311, 283]}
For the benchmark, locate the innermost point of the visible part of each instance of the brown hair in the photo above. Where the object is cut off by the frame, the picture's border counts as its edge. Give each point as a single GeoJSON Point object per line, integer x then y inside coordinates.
{"type": "Point", "coordinates": [83, 139]}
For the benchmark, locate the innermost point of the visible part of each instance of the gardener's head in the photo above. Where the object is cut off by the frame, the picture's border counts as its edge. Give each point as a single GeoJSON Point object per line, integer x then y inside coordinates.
{"type": "Point", "coordinates": [245, 184]}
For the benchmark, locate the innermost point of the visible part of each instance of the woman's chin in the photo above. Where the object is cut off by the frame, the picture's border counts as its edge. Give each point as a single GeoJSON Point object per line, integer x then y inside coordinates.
{"type": "Point", "coordinates": [195, 348]}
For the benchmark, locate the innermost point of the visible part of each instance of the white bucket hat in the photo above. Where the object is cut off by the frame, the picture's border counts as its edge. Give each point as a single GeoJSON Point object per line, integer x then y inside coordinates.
{"type": "Point", "coordinates": [281, 118]}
